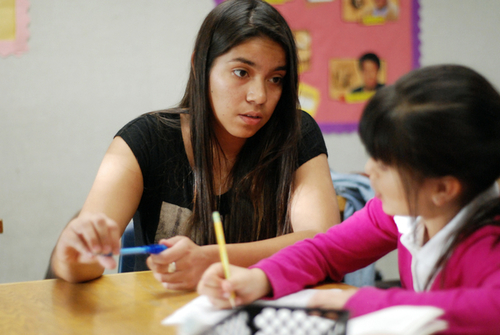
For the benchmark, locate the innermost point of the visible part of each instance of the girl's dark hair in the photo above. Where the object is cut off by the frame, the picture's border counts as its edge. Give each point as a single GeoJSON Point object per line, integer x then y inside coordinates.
{"type": "Point", "coordinates": [263, 173]}
{"type": "Point", "coordinates": [439, 121]}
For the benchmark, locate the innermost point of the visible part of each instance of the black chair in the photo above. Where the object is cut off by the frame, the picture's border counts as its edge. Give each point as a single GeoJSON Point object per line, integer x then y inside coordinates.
{"type": "Point", "coordinates": [127, 263]}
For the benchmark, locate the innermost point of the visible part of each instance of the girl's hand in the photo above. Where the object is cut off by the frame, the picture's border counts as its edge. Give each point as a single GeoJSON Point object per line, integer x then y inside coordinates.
{"type": "Point", "coordinates": [247, 284]}
{"type": "Point", "coordinates": [87, 239]}
{"type": "Point", "coordinates": [190, 260]}
{"type": "Point", "coordinates": [331, 299]}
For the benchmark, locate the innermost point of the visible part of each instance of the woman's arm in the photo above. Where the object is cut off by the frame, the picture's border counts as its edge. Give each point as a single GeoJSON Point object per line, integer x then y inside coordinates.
{"type": "Point", "coordinates": [110, 205]}
{"type": "Point", "coordinates": [313, 210]}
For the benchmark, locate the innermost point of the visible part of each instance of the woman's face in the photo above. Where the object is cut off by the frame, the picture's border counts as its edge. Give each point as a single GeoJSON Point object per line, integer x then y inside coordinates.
{"type": "Point", "coordinates": [245, 87]}
{"type": "Point", "coordinates": [386, 182]}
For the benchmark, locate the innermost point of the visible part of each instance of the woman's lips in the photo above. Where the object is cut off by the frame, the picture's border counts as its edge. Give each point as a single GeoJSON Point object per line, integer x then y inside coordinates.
{"type": "Point", "coordinates": [251, 118]}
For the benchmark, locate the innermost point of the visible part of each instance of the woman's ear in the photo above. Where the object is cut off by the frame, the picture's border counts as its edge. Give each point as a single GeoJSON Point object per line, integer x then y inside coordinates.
{"type": "Point", "coordinates": [447, 189]}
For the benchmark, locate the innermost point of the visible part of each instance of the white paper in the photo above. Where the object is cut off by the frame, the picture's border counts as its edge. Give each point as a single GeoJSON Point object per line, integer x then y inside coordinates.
{"type": "Point", "coordinates": [408, 320]}
{"type": "Point", "coordinates": [200, 314]}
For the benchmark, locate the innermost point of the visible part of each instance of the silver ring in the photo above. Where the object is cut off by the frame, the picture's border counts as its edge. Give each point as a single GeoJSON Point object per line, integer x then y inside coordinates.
{"type": "Point", "coordinates": [171, 267]}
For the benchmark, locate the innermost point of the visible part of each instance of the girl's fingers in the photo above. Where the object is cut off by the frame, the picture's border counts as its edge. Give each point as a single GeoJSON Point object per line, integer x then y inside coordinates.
{"type": "Point", "coordinates": [214, 285]}
{"type": "Point", "coordinates": [211, 282]}
{"type": "Point", "coordinates": [220, 303]}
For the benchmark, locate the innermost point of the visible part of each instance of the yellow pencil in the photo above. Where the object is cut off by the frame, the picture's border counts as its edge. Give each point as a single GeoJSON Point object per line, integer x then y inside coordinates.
{"type": "Point", "coordinates": [221, 241]}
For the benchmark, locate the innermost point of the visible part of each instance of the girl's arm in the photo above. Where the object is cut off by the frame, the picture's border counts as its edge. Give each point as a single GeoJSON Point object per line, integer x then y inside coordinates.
{"type": "Point", "coordinates": [358, 241]}
{"type": "Point", "coordinates": [314, 209]}
{"type": "Point", "coordinates": [110, 205]}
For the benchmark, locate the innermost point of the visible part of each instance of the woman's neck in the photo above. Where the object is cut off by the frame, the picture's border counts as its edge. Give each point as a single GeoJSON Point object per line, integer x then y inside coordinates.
{"type": "Point", "coordinates": [230, 145]}
{"type": "Point", "coordinates": [223, 160]}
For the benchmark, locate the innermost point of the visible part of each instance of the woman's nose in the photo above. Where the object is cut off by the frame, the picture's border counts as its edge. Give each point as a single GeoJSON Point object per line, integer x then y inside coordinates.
{"type": "Point", "coordinates": [257, 92]}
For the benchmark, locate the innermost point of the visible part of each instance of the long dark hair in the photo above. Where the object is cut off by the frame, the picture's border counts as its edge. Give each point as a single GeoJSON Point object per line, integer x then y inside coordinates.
{"type": "Point", "coordinates": [439, 121]}
{"type": "Point", "coordinates": [262, 175]}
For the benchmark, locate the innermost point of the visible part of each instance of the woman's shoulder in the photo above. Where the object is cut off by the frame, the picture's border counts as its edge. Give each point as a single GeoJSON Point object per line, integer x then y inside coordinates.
{"type": "Point", "coordinates": [311, 143]}
{"type": "Point", "coordinates": [152, 124]}
{"type": "Point", "coordinates": [166, 117]}
{"type": "Point", "coordinates": [308, 121]}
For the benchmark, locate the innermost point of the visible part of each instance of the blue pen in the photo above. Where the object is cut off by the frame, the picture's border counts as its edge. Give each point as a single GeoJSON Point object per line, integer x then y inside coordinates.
{"type": "Point", "coordinates": [147, 249]}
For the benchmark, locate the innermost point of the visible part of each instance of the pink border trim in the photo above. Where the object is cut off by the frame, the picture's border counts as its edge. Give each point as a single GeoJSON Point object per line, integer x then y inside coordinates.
{"type": "Point", "coordinates": [20, 43]}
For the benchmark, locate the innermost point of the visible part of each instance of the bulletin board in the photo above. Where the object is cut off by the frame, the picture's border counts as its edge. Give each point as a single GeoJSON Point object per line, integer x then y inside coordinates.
{"type": "Point", "coordinates": [14, 31]}
{"type": "Point", "coordinates": [332, 36]}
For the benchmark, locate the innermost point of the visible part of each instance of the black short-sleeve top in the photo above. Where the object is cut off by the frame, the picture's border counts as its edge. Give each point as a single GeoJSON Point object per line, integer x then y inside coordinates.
{"type": "Point", "coordinates": [166, 201]}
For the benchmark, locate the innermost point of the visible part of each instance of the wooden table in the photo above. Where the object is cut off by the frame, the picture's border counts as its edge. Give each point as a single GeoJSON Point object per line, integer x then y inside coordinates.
{"type": "Point", "coordinates": [127, 303]}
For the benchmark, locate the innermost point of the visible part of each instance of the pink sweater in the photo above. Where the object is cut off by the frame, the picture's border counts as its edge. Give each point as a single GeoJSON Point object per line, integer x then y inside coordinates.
{"type": "Point", "coordinates": [470, 292]}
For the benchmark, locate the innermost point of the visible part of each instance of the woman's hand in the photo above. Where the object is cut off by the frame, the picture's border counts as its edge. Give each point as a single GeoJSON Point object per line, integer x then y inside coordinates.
{"type": "Point", "coordinates": [331, 299]}
{"type": "Point", "coordinates": [247, 284]}
{"type": "Point", "coordinates": [86, 239]}
{"type": "Point", "coordinates": [190, 260]}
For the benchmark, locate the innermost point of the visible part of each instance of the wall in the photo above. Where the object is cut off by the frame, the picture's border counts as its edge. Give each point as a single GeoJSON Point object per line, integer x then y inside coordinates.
{"type": "Point", "coordinates": [94, 65]}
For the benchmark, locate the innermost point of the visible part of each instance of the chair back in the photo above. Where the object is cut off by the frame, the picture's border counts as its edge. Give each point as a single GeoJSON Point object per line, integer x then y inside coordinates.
{"type": "Point", "coordinates": [353, 192]}
{"type": "Point", "coordinates": [127, 263]}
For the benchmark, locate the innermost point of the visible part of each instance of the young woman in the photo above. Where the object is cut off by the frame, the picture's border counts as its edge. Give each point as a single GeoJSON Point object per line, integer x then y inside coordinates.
{"type": "Point", "coordinates": [237, 143]}
{"type": "Point", "coordinates": [434, 142]}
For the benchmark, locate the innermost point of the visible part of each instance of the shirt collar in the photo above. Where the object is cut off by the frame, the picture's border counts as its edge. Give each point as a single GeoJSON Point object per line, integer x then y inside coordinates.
{"type": "Point", "coordinates": [425, 256]}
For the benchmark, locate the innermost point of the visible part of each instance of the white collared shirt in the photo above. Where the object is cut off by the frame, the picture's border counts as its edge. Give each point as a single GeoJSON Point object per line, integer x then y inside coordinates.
{"type": "Point", "coordinates": [425, 256]}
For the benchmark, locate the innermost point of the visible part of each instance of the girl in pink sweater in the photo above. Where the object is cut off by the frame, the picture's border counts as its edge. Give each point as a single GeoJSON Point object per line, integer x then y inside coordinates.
{"type": "Point", "coordinates": [434, 142]}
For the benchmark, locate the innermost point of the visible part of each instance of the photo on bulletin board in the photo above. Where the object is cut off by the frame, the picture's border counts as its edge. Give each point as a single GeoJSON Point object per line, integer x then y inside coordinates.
{"type": "Point", "coordinates": [333, 36]}
{"type": "Point", "coordinates": [356, 80]}
{"type": "Point", "coordinates": [370, 12]}
{"type": "Point", "coordinates": [14, 22]}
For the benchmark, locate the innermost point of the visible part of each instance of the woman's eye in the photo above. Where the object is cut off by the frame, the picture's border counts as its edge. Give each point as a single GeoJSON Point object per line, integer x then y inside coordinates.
{"type": "Point", "coordinates": [240, 73]}
{"type": "Point", "coordinates": [276, 80]}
